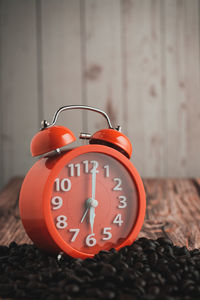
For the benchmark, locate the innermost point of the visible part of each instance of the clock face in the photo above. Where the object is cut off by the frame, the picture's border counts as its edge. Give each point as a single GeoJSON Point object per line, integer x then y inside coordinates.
{"type": "Point", "coordinates": [94, 203]}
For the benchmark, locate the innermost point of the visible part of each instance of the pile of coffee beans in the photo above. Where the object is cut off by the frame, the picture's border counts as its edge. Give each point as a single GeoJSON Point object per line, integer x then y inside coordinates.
{"type": "Point", "coordinates": [148, 269]}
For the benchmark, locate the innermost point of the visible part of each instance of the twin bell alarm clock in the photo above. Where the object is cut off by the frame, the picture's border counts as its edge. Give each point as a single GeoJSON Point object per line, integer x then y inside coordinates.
{"type": "Point", "coordinates": [82, 200]}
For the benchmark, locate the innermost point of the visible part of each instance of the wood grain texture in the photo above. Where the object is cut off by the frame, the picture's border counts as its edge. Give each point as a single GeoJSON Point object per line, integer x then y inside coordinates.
{"type": "Point", "coordinates": [142, 49]}
{"type": "Point", "coordinates": [19, 107]}
{"type": "Point", "coordinates": [10, 222]}
{"type": "Point", "coordinates": [61, 60]}
{"type": "Point", "coordinates": [173, 210]}
{"type": "Point", "coordinates": [192, 19]}
{"type": "Point", "coordinates": [174, 83]}
{"type": "Point", "coordinates": [102, 61]}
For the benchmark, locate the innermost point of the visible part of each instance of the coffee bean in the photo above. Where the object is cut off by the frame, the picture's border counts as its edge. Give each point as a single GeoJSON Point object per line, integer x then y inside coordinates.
{"type": "Point", "coordinates": [113, 250]}
{"type": "Point", "coordinates": [12, 245]}
{"type": "Point", "coordinates": [51, 297]}
{"type": "Point", "coordinates": [155, 290]}
{"type": "Point", "coordinates": [64, 297]}
{"type": "Point", "coordinates": [124, 250]}
{"type": "Point", "coordinates": [136, 248]}
{"type": "Point", "coordinates": [72, 289]}
{"type": "Point", "coordinates": [120, 265]}
{"type": "Point", "coordinates": [108, 294]}
{"type": "Point", "coordinates": [94, 292]}
{"type": "Point", "coordinates": [184, 251]}
{"type": "Point", "coordinates": [3, 251]}
{"type": "Point", "coordinates": [153, 258]}
{"type": "Point", "coordinates": [172, 278]}
{"type": "Point", "coordinates": [149, 246]}
{"type": "Point", "coordinates": [169, 251]}
{"type": "Point", "coordinates": [139, 265]}
{"type": "Point", "coordinates": [83, 272]}
{"type": "Point", "coordinates": [164, 241]}
{"type": "Point", "coordinates": [125, 296]}
{"type": "Point", "coordinates": [109, 286]}
{"type": "Point", "coordinates": [195, 252]}
{"type": "Point", "coordinates": [160, 250]}
{"type": "Point", "coordinates": [140, 282]}
{"type": "Point", "coordinates": [147, 270]}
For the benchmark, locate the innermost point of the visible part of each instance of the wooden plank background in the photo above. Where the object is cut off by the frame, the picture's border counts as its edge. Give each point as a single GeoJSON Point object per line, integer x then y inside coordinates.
{"type": "Point", "coordinates": [139, 60]}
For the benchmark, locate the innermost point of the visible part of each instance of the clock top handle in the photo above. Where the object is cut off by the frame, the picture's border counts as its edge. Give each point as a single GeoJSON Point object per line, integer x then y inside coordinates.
{"type": "Point", "coordinates": [52, 137]}
{"type": "Point", "coordinates": [45, 124]}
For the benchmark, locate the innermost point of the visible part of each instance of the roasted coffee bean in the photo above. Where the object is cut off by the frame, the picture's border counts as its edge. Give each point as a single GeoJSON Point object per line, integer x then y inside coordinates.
{"type": "Point", "coordinates": [51, 297]}
{"type": "Point", "coordinates": [139, 265]}
{"type": "Point", "coordinates": [160, 250]}
{"type": "Point", "coordinates": [108, 270]}
{"type": "Point", "coordinates": [154, 290]}
{"type": "Point", "coordinates": [146, 270]}
{"type": "Point", "coordinates": [153, 258]}
{"type": "Point", "coordinates": [121, 265]}
{"type": "Point", "coordinates": [3, 251]}
{"type": "Point", "coordinates": [109, 286]}
{"type": "Point", "coordinates": [164, 241]}
{"type": "Point", "coordinates": [124, 250]}
{"type": "Point", "coordinates": [94, 292]}
{"type": "Point", "coordinates": [184, 251]}
{"type": "Point", "coordinates": [113, 250]}
{"type": "Point", "coordinates": [13, 245]}
{"type": "Point", "coordinates": [64, 297]}
{"type": "Point", "coordinates": [195, 252]}
{"type": "Point", "coordinates": [107, 294]}
{"type": "Point", "coordinates": [137, 248]}
{"type": "Point", "coordinates": [169, 251]}
{"type": "Point", "coordinates": [126, 296]}
{"type": "Point", "coordinates": [72, 289]}
{"type": "Point", "coordinates": [149, 246]}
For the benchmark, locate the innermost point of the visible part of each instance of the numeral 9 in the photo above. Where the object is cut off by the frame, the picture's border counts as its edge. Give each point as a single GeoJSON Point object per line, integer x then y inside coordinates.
{"type": "Point", "coordinates": [57, 202]}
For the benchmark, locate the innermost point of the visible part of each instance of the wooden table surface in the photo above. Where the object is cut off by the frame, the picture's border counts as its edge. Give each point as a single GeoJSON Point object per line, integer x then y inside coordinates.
{"type": "Point", "coordinates": [173, 210]}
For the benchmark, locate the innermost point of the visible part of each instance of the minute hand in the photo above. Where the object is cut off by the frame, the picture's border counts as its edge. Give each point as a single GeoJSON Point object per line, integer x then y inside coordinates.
{"type": "Point", "coordinates": [92, 209]}
{"type": "Point", "coordinates": [93, 184]}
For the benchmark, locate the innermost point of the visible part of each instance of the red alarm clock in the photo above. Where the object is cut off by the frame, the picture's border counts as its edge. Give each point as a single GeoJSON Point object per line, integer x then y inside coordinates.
{"type": "Point", "coordinates": [82, 200]}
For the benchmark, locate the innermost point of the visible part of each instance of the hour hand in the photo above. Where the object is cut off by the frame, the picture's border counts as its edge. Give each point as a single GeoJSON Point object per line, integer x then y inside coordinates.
{"type": "Point", "coordinates": [84, 215]}
{"type": "Point", "coordinates": [89, 203]}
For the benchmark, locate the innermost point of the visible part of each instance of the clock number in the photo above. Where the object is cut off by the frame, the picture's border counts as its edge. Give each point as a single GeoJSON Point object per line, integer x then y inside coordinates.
{"type": "Point", "coordinates": [94, 163]}
{"type": "Point", "coordinates": [72, 167]}
{"type": "Point", "coordinates": [76, 232]}
{"type": "Point", "coordinates": [122, 200]}
{"type": "Point", "coordinates": [118, 185]}
{"type": "Point", "coordinates": [61, 222]}
{"type": "Point", "coordinates": [90, 240]}
{"type": "Point", "coordinates": [57, 202]}
{"type": "Point", "coordinates": [86, 165]}
{"type": "Point", "coordinates": [95, 166]}
{"type": "Point", "coordinates": [106, 170]}
{"type": "Point", "coordinates": [107, 232]}
{"type": "Point", "coordinates": [118, 220]}
{"type": "Point", "coordinates": [63, 185]}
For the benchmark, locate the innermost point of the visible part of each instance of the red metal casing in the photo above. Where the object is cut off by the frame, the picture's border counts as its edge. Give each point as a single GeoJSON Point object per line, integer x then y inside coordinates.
{"type": "Point", "coordinates": [50, 139]}
{"type": "Point", "coordinates": [113, 138]}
